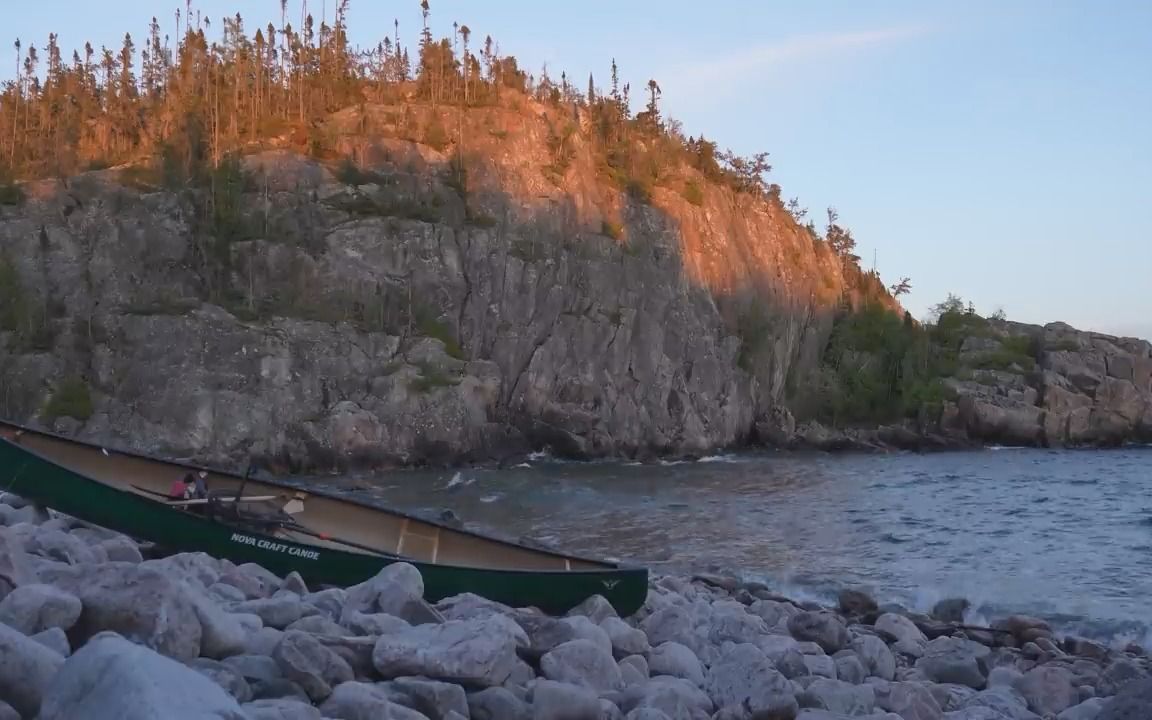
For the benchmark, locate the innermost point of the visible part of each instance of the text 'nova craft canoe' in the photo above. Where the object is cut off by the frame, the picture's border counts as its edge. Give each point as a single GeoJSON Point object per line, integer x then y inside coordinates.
{"type": "Point", "coordinates": [328, 539]}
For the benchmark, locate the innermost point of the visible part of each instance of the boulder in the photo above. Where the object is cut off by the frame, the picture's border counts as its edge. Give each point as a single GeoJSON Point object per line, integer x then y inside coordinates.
{"type": "Point", "coordinates": [497, 703]}
{"type": "Point", "coordinates": [330, 602]}
{"type": "Point", "coordinates": [7, 712]}
{"type": "Point", "coordinates": [909, 700]}
{"type": "Point", "coordinates": [1085, 648]}
{"type": "Point", "coordinates": [222, 634]}
{"type": "Point", "coordinates": [784, 652]}
{"type": "Point", "coordinates": [676, 697]}
{"type": "Point", "coordinates": [1048, 690]}
{"type": "Point", "coordinates": [545, 633]}
{"type": "Point", "coordinates": [224, 676]}
{"type": "Point", "coordinates": [1090, 709]}
{"type": "Point", "coordinates": [398, 590]}
{"type": "Point", "coordinates": [839, 697]}
{"type": "Point", "coordinates": [626, 640]}
{"type": "Point", "coordinates": [744, 677]}
{"type": "Point", "coordinates": [373, 624]}
{"type": "Point", "coordinates": [583, 663]}
{"type": "Point", "coordinates": [1004, 676]}
{"type": "Point", "coordinates": [480, 651]}
{"type": "Point", "coordinates": [823, 628]}
{"type": "Point", "coordinates": [849, 668]}
{"type": "Point", "coordinates": [33, 608]}
{"type": "Point", "coordinates": [907, 638]}
{"type": "Point", "coordinates": [1024, 627]}
{"type": "Point", "coordinates": [954, 660]}
{"type": "Point", "coordinates": [121, 549]}
{"type": "Point", "coordinates": [951, 610]}
{"type": "Point", "coordinates": [1119, 673]}
{"type": "Point", "coordinates": [639, 662]}
{"type": "Point", "coordinates": [144, 604]}
{"type": "Point", "coordinates": [263, 641]}
{"type": "Point", "coordinates": [276, 612]}
{"type": "Point", "coordinates": [950, 696]}
{"type": "Point", "coordinates": [672, 624]}
{"type": "Point", "coordinates": [358, 701]}
{"type": "Point", "coordinates": [1005, 701]}
{"type": "Point", "coordinates": [278, 689]}
{"type": "Point", "coordinates": [26, 668]}
{"type": "Point", "coordinates": [198, 568]}
{"type": "Point", "coordinates": [595, 608]}
{"type": "Point", "coordinates": [224, 593]}
{"type": "Point", "coordinates": [674, 659]}
{"type": "Point", "coordinates": [61, 546]}
{"type": "Point", "coordinates": [856, 603]}
{"type": "Point", "coordinates": [820, 666]}
{"type": "Point", "coordinates": [826, 715]}
{"type": "Point", "coordinates": [317, 625]}
{"type": "Point", "coordinates": [647, 713]}
{"type": "Point", "coordinates": [253, 580]}
{"type": "Point", "coordinates": [552, 700]}
{"type": "Point", "coordinates": [468, 606]}
{"type": "Point", "coordinates": [294, 583]}
{"type": "Point", "coordinates": [254, 667]}
{"type": "Point", "coordinates": [282, 709]}
{"type": "Point", "coordinates": [430, 697]}
{"type": "Point", "coordinates": [15, 566]}
{"type": "Point", "coordinates": [874, 654]}
{"type": "Point", "coordinates": [54, 639]}
{"type": "Point", "coordinates": [111, 678]}
{"type": "Point", "coordinates": [314, 667]}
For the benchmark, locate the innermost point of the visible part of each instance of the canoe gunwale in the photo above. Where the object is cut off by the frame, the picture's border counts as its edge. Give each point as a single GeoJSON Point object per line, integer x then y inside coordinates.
{"type": "Point", "coordinates": [607, 566]}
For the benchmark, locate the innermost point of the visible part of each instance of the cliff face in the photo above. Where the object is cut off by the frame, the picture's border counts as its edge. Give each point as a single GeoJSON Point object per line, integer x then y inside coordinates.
{"type": "Point", "coordinates": [1084, 389]}
{"type": "Point", "coordinates": [408, 312]}
{"type": "Point", "coordinates": [1014, 384]}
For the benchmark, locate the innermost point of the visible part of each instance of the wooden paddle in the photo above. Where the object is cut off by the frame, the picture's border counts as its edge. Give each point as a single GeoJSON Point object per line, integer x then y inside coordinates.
{"type": "Point", "coordinates": [204, 501]}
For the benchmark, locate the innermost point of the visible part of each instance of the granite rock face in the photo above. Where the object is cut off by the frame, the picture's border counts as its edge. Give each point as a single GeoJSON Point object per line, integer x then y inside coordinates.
{"type": "Point", "coordinates": [347, 329]}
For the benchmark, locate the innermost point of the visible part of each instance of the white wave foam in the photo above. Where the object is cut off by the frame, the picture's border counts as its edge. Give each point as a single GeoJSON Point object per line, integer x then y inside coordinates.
{"type": "Point", "coordinates": [460, 479]}
{"type": "Point", "coordinates": [720, 459]}
{"type": "Point", "coordinates": [490, 498]}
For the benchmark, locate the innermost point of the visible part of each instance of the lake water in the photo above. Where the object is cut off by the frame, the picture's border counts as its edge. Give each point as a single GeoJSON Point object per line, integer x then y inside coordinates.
{"type": "Point", "coordinates": [1066, 535]}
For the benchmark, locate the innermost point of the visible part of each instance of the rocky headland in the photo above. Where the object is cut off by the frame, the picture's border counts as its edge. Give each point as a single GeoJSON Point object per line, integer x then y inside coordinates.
{"type": "Point", "coordinates": [94, 625]}
{"type": "Point", "coordinates": [379, 314]}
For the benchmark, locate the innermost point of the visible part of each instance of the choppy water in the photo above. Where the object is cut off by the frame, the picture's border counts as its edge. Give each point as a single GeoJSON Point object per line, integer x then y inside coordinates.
{"type": "Point", "coordinates": [1066, 535]}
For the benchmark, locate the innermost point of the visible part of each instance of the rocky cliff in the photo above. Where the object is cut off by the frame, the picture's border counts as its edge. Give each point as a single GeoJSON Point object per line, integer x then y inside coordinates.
{"type": "Point", "coordinates": [1075, 389]}
{"type": "Point", "coordinates": [407, 308]}
{"type": "Point", "coordinates": [1015, 384]}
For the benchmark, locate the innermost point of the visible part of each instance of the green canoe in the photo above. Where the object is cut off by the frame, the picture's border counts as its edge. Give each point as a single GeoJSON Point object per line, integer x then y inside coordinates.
{"type": "Point", "coordinates": [328, 539]}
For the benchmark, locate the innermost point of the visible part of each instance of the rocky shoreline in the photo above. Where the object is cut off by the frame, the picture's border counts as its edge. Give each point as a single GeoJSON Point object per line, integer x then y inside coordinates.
{"type": "Point", "coordinates": [95, 625]}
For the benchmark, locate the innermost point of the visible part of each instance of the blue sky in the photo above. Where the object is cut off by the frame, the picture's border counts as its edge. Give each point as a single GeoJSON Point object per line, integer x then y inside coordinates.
{"type": "Point", "coordinates": [1000, 151]}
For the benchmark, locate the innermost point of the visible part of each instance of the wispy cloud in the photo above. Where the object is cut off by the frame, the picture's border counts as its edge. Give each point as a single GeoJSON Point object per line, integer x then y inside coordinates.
{"type": "Point", "coordinates": [780, 56]}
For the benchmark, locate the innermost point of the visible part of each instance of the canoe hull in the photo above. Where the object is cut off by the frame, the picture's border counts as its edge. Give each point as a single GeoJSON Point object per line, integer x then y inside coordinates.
{"type": "Point", "coordinates": [28, 475]}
